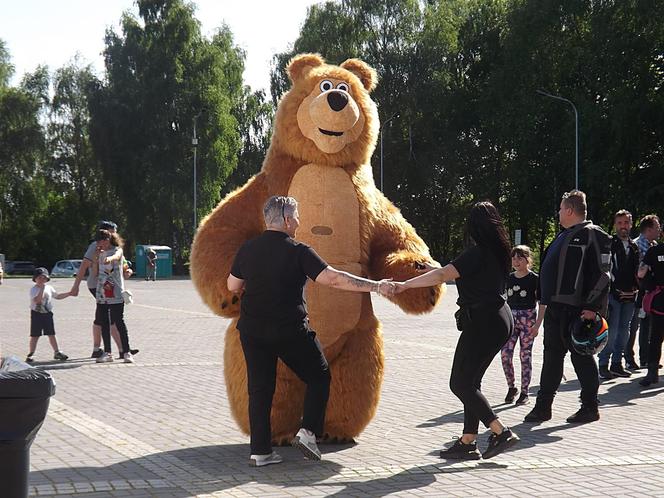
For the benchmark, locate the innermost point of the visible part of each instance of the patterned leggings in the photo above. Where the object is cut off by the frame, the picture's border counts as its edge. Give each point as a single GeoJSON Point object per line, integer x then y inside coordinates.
{"type": "Point", "coordinates": [523, 320]}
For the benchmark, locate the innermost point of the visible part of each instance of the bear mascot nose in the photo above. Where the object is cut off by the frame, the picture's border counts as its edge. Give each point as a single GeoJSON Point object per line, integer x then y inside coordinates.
{"type": "Point", "coordinates": [337, 100]}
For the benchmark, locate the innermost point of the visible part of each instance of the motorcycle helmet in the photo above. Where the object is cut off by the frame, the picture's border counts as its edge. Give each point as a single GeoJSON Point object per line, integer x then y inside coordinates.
{"type": "Point", "coordinates": [589, 336]}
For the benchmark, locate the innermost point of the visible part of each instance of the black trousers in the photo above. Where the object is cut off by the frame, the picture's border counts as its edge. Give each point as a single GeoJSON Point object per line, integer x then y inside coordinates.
{"type": "Point", "coordinates": [105, 327]}
{"type": "Point", "coordinates": [557, 338]}
{"type": "Point", "coordinates": [303, 354]}
{"type": "Point", "coordinates": [655, 344]}
{"type": "Point", "coordinates": [112, 314]}
{"type": "Point", "coordinates": [485, 331]}
{"type": "Point", "coordinates": [642, 326]}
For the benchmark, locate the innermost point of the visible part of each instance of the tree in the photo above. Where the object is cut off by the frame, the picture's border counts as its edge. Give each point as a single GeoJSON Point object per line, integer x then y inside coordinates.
{"type": "Point", "coordinates": [161, 75]}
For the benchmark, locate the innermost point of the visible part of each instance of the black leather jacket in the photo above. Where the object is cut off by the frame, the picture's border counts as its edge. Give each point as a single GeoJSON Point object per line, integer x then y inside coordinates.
{"type": "Point", "coordinates": [584, 268]}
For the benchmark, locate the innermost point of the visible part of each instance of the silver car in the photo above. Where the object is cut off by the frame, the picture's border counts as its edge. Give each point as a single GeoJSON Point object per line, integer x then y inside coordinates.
{"type": "Point", "coordinates": [66, 268]}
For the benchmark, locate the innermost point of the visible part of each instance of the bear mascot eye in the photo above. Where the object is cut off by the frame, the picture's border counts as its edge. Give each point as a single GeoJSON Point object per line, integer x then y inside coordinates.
{"type": "Point", "coordinates": [343, 86]}
{"type": "Point", "coordinates": [326, 85]}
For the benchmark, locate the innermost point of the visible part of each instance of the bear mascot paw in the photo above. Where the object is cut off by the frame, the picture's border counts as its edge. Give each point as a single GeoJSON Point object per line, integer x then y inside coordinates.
{"type": "Point", "coordinates": [325, 131]}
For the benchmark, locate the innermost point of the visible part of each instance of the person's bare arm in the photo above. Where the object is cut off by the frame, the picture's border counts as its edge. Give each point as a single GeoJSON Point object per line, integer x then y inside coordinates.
{"type": "Point", "coordinates": [430, 278]}
{"type": "Point", "coordinates": [117, 256]}
{"type": "Point", "coordinates": [234, 284]}
{"type": "Point", "coordinates": [79, 276]}
{"type": "Point", "coordinates": [62, 295]}
{"type": "Point", "coordinates": [40, 295]}
{"type": "Point", "coordinates": [347, 281]}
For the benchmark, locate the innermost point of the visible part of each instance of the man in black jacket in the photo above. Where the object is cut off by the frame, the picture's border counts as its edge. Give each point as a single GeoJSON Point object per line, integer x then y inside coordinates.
{"type": "Point", "coordinates": [574, 281]}
{"type": "Point", "coordinates": [624, 288]}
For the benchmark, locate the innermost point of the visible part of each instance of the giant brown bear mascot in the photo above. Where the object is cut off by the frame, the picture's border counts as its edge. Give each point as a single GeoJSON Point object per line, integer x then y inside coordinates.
{"type": "Point", "coordinates": [325, 132]}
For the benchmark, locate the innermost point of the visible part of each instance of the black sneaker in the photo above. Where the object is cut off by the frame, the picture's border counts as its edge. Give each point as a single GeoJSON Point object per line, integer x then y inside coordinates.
{"type": "Point", "coordinates": [499, 443]}
{"type": "Point", "coordinates": [96, 353]}
{"type": "Point", "coordinates": [511, 393]}
{"type": "Point", "coordinates": [60, 356]}
{"type": "Point", "coordinates": [586, 414]}
{"type": "Point", "coordinates": [461, 451]}
{"type": "Point", "coordinates": [631, 365]}
{"type": "Point", "coordinates": [538, 414]}
{"type": "Point", "coordinates": [604, 372]}
{"type": "Point", "coordinates": [29, 358]}
{"type": "Point", "coordinates": [619, 371]}
{"type": "Point", "coordinates": [523, 399]}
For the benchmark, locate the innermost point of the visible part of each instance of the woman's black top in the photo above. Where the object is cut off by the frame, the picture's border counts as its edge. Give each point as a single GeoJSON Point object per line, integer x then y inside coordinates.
{"type": "Point", "coordinates": [482, 278]}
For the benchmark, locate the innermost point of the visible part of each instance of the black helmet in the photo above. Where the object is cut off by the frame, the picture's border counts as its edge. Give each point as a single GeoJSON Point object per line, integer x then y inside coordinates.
{"type": "Point", "coordinates": [589, 336]}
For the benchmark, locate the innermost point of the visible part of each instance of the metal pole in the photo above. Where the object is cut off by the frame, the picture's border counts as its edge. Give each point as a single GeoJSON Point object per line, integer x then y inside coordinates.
{"type": "Point", "coordinates": [576, 121]}
{"type": "Point", "coordinates": [395, 115]}
{"type": "Point", "coordinates": [194, 142]}
{"type": "Point", "coordinates": [381, 158]}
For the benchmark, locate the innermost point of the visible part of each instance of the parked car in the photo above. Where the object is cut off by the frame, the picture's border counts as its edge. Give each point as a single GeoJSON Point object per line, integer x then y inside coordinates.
{"type": "Point", "coordinates": [66, 268]}
{"type": "Point", "coordinates": [21, 268]}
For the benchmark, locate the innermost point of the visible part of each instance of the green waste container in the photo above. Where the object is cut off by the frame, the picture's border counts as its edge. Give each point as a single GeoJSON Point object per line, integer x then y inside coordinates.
{"type": "Point", "coordinates": [164, 261]}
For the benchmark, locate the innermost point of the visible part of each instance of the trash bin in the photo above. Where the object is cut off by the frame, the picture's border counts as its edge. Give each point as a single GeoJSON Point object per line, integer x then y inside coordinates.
{"type": "Point", "coordinates": [24, 399]}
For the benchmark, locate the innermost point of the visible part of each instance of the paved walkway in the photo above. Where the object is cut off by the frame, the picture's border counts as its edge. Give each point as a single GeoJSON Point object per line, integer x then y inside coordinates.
{"type": "Point", "coordinates": [162, 427]}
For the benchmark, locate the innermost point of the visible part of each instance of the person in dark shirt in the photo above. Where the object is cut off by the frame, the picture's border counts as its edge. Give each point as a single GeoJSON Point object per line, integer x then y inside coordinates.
{"type": "Point", "coordinates": [622, 296]}
{"type": "Point", "coordinates": [270, 271]}
{"type": "Point", "coordinates": [574, 282]}
{"type": "Point", "coordinates": [653, 270]}
{"type": "Point", "coordinates": [522, 297]}
{"type": "Point", "coordinates": [485, 321]}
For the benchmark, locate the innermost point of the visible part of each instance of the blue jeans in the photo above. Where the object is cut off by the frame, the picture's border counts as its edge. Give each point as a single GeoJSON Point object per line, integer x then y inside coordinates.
{"type": "Point", "coordinates": [620, 316]}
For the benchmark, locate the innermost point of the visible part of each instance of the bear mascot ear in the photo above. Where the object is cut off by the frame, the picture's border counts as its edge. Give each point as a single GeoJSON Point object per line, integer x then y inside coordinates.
{"type": "Point", "coordinates": [367, 75]}
{"type": "Point", "coordinates": [303, 63]}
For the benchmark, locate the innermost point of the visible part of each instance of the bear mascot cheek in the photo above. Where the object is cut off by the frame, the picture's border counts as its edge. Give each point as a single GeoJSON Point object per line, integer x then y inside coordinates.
{"type": "Point", "coordinates": [325, 132]}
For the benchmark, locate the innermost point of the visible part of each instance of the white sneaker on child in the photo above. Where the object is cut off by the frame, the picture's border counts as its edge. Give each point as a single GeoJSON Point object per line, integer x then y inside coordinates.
{"type": "Point", "coordinates": [261, 460]}
{"type": "Point", "coordinates": [305, 441]}
{"type": "Point", "coordinates": [128, 358]}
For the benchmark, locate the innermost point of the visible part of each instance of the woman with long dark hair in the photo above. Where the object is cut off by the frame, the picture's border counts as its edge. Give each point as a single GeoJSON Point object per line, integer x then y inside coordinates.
{"type": "Point", "coordinates": [485, 321]}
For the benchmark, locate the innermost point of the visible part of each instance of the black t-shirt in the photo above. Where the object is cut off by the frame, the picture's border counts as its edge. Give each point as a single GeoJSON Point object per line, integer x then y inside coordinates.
{"type": "Point", "coordinates": [522, 292]}
{"type": "Point", "coordinates": [274, 268]}
{"type": "Point", "coordinates": [481, 281]}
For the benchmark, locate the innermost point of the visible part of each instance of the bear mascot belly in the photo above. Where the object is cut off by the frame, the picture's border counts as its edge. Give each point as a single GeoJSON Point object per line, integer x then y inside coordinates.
{"type": "Point", "coordinates": [325, 132]}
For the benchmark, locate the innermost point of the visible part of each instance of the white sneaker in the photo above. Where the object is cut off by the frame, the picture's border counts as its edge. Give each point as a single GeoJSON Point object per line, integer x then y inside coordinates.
{"type": "Point", "coordinates": [261, 460]}
{"type": "Point", "coordinates": [105, 358]}
{"type": "Point", "coordinates": [305, 441]}
{"type": "Point", "coordinates": [128, 358]}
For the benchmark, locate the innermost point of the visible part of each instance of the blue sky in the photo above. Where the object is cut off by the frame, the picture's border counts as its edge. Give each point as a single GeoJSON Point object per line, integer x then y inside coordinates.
{"type": "Point", "coordinates": [53, 32]}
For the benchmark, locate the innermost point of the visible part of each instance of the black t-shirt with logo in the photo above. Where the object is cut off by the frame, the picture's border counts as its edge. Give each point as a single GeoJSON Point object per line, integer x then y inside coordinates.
{"type": "Point", "coordinates": [275, 269]}
{"type": "Point", "coordinates": [522, 293]}
{"type": "Point", "coordinates": [654, 258]}
{"type": "Point", "coordinates": [481, 281]}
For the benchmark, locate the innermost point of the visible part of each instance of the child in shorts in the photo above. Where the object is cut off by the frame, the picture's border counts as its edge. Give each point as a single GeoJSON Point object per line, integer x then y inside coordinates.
{"type": "Point", "coordinates": [41, 313]}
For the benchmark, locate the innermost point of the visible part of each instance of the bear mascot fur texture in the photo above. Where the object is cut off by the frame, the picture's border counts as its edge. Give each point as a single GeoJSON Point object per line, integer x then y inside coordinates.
{"type": "Point", "coordinates": [325, 132]}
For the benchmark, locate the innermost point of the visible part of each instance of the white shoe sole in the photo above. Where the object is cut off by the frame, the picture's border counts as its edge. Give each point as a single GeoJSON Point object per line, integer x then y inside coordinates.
{"type": "Point", "coordinates": [306, 451]}
{"type": "Point", "coordinates": [255, 463]}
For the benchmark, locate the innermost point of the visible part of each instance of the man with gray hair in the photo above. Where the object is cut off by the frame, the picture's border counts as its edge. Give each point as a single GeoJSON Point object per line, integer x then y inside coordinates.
{"type": "Point", "coordinates": [271, 270]}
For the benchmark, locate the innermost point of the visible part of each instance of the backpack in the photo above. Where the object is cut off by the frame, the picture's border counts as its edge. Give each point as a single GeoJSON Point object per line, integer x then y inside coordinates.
{"type": "Point", "coordinates": [653, 301]}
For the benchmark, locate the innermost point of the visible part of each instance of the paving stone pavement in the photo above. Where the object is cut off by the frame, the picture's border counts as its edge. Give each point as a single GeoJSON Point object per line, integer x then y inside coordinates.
{"type": "Point", "coordinates": [162, 426]}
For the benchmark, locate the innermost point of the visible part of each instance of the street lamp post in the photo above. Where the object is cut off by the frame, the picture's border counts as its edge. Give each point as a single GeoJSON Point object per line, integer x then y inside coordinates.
{"type": "Point", "coordinates": [395, 115]}
{"type": "Point", "coordinates": [576, 120]}
{"type": "Point", "coordinates": [194, 142]}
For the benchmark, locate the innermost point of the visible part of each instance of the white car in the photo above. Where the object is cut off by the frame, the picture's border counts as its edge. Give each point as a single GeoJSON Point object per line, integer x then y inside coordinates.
{"type": "Point", "coordinates": [66, 268]}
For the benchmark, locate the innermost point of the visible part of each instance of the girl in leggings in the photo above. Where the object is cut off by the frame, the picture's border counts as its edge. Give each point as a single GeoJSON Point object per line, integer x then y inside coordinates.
{"type": "Point", "coordinates": [522, 297]}
{"type": "Point", "coordinates": [485, 322]}
{"type": "Point", "coordinates": [107, 262]}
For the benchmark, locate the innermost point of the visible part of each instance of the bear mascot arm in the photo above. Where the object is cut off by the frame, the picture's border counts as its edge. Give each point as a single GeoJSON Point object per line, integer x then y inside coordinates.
{"type": "Point", "coordinates": [220, 235]}
{"type": "Point", "coordinates": [396, 251]}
